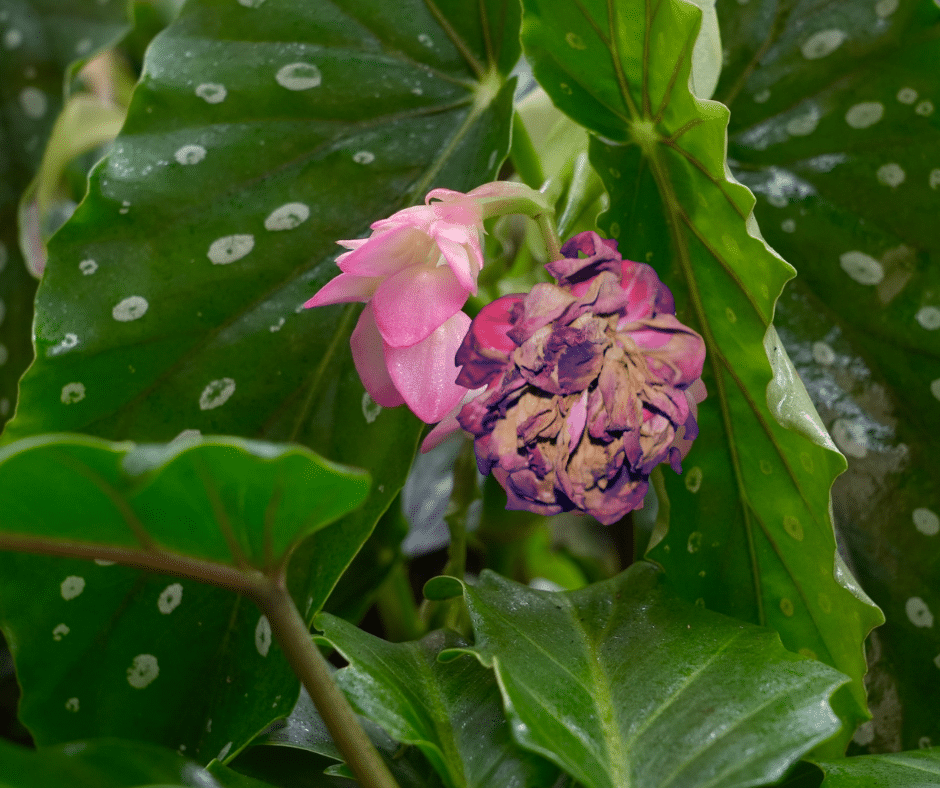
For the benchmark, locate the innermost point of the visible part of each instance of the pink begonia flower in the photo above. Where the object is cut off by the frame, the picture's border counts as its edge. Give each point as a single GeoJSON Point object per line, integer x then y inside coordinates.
{"type": "Point", "coordinates": [589, 385]}
{"type": "Point", "coordinates": [415, 273]}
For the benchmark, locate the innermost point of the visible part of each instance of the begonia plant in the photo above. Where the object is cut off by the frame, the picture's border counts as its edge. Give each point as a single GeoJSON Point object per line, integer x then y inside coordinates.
{"type": "Point", "coordinates": [469, 393]}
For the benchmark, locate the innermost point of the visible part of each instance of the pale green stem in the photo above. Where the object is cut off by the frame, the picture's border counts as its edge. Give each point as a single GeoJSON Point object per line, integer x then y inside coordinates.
{"type": "Point", "coordinates": [523, 156]}
{"type": "Point", "coordinates": [549, 235]}
{"type": "Point", "coordinates": [307, 662]}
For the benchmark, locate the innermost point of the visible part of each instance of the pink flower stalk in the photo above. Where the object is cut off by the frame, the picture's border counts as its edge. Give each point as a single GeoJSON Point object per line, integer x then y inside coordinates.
{"type": "Point", "coordinates": [415, 273]}
{"type": "Point", "coordinates": [590, 384]}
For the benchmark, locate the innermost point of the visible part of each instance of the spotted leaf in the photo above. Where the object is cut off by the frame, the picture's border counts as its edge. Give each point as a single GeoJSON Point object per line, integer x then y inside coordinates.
{"type": "Point", "coordinates": [834, 125]}
{"type": "Point", "coordinates": [104, 650]}
{"type": "Point", "coordinates": [749, 532]}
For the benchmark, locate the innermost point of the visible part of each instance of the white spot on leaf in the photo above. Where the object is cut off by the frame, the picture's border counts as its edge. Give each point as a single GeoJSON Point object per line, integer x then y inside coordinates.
{"type": "Point", "coordinates": [170, 598]}
{"type": "Point", "coordinates": [693, 479]}
{"type": "Point", "coordinates": [823, 354]}
{"type": "Point", "coordinates": [230, 248]}
{"type": "Point", "coordinates": [866, 114]}
{"type": "Point", "coordinates": [907, 95]}
{"type": "Point", "coordinates": [251, 3]}
{"type": "Point", "coordinates": [217, 393]}
{"type": "Point", "coordinates": [299, 76]}
{"type": "Point", "coordinates": [211, 92]}
{"type": "Point", "coordinates": [805, 124]}
{"type": "Point", "coordinates": [263, 636]}
{"type": "Point", "coordinates": [71, 705]}
{"type": "Point", "coordinates": [71, 587]}
{"type": "Point", "coordinates": [863, 268]}
{"type": "Point", "coordinates": [143, 670]}
{"type": "Point", "coordinates": [928, 317]}
{"type": "Point", "coordinates": [788, 225]}
{"type": "Point", "coordinates": [935, 179]}
{"type": "Point", "coordinates": [103, 562]}
{"type": "Point", "coordinates": [850, 438]}
{"type": "Point", "coordinates": [935, 388]}
{"type": "Point", "coordinates": [67, 342]}
{"type": "Point", "coordinates": [926, 521]}
{"type": "Point", "coordinates": [88, 267]}
{"type": "Point", "coordinates": [918, 612]}
{"type": "Point", "coordinates": [364, 157]}
{"type": "Point", "coordinates": [822, 43]}
{"type": "Point", "coordinates": [425, 39]}
{"type": "Point", "coordinates": [84, 46]}
{"type": "Point", "coordinates": [891, 175]}
{"type": "Point", "coordinates": [287, 217]}
{"type": "Point", "coordinates": [190, 154]}
{"type": "Point", "coordinates": [60, 632]}
{"type": "Point", "coordinates": [12, 38]}
{"type": "Point", "coordinates": [130, 308]}
{"type": "Point", "coordinates": [762, 96]}
{"type": "Point", "coordinates": [925, 108]}
{"type": "Point", "coordinates": [370, 408]}
{"type": "Point", "coordinates": [884, 8]}
{"type": "Point", "coordinates": [224, 752]}
{"type": "Point", "coordinates": [72, 393]}
{"type": "Point", "coordinates": [34, 102]}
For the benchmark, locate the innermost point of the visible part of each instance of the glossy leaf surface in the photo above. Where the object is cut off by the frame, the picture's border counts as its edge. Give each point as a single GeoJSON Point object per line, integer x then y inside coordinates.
{"type": "Point", "coordinates": [834, 127]}
{"type": "Point", "coordinates": [622, 70]}
{"type": "Point", "coordinates": [913, 769]}
{"type": "Point", "coordinates": [450, 711]}
{"type": "Point", "coordinates": [104, 650]}
{"type": "Point", "coordinates": [622, 683]}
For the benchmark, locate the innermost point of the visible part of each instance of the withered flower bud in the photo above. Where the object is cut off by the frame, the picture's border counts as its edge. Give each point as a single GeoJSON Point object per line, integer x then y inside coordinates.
{"type": "Point", "coordinates": [591, 383]}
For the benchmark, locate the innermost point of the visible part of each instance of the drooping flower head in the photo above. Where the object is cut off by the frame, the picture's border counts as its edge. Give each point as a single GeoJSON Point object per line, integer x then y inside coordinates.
{"type": "Point", "coordinates": [415, 273]}
{"type": "Point", "coordinates": [590, 384]}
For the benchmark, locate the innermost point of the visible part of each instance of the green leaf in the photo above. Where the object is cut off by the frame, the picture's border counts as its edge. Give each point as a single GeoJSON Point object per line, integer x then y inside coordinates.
{"type": "Point", "coordinates": [102, 650]}
{"type": "Point", "coordinates": [111, 764]}
{"type": "Point", "coordinates": [301, 744]}
{"type": "Point", "coordinates": [39, 41]}
{"type": "Point", "coordinates": [256, 138]}
{"type": "Point", "coordinates": [750, 533]}
{"type": "Point", "coordinates": [450, 711]}
{"type": "Point", "coordinates": [916, 769]}
{"type": "Point", "coordinates": [623, 684]}
{"type": "Point", "coordinates": [842, 149]}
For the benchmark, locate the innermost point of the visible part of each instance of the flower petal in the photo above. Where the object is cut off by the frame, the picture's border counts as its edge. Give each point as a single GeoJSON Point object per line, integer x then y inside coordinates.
{"type": "Point", "coordinates": [414, 303]}
{"type": "Point", "coordinates": [386, 253]}
{"type": "Point", "coordinates": [424, 373]}
{"type": "Point", "coordinates": [369, 356]}
{"type": "Point", "coordinates": [343, 289]}
{"type": "Point", "coordinates": [486, 347]}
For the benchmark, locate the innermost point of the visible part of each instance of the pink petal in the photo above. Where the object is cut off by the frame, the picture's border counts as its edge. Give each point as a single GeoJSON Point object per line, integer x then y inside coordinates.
{"type": "Point", "coordinates": [449, 424]}
{"type": "Point", "coordinates": [385, 254]}
{"type": "Point", "coordinates": [424, 373]}
{"type": "Point", "coordinates": [465, 267]}
{"type": "Point", "coordinates": [415, 302]}
{"type": "Point", "coordinates": [369, 357]}
{"type": "Point", "coordinates": [344, 289]}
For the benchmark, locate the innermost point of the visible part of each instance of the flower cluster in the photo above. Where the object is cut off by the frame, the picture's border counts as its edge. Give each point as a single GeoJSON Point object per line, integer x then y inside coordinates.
{"type": "Point", "coordinates": [415, 273]}
{"type": "Point", "coordinates": [573, 392]}
{"type": "Point", "coordinates": [590, 384]}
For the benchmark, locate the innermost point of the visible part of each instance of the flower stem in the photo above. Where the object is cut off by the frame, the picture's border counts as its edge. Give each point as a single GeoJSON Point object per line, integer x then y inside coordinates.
{"type": "Point", "coordinates": [293, 636]}
{"type": "Point", "coordinates": [546, 225]}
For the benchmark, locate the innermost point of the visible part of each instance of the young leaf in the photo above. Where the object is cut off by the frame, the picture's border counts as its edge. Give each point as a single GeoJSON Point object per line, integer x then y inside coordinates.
{"type": "Point", "coordinates": [750, 533]}
{"type": "Point", "coordinates": [448, 710]}
{"type": "Point", "coordinates": [622, 683]}
{"type": "Point", "coordinates": [914, 769]}
{"type": "Point", "coordinates": [834, 127]}
{"type": "Point", "coordinates": [111, 764]}
{"type": "Point", "coordinates": [102, 650]}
